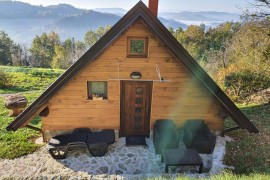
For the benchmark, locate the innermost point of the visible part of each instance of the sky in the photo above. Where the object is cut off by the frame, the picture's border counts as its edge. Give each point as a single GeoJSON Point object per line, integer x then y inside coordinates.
{"type": "Point", "coordinates": [234, 6]}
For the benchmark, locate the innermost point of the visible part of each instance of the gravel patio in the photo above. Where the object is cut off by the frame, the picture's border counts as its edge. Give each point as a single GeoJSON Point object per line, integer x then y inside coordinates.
{"type": "Point", "coordinates": [120, 162]}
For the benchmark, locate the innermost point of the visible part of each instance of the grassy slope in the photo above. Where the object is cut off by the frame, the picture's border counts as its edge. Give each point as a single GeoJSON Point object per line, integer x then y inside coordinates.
{"type": "Point", "coordinates": [248, 153]}
{"type": "Point", "coordinates": [22, 79]}
{"type": "Point", "coordinates": [31, 82]}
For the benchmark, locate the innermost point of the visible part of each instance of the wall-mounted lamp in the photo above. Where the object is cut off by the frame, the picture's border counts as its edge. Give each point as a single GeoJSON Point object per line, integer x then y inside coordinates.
{"type": "Point", "coordinates": [135, 75]}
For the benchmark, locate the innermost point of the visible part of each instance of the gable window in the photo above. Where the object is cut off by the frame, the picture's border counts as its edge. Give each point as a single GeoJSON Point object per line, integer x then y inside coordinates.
{"type": "Point", "coordinates": [137, 47]}
{"type": "Point", "coordinates": [97, 90]}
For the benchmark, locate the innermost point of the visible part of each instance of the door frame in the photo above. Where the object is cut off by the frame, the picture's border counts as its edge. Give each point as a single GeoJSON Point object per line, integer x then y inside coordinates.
{"type": "Point", "coordinates": [122, 96]}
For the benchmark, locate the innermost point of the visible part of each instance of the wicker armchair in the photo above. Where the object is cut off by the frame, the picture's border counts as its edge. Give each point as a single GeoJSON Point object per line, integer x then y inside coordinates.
{"type": "Point", "coordinates": [165, 135]}
{"type": "Point", "coordinates": [198, 136]}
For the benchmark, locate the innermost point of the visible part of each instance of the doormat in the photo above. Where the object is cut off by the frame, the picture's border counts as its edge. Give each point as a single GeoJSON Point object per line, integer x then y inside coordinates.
{"type": "Point", "coordinates": [135, 141]}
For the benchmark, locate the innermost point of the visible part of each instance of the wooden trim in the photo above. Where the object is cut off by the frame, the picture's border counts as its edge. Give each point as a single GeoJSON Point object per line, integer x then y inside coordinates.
{"type": "Point", "coordinates": [36, 113]}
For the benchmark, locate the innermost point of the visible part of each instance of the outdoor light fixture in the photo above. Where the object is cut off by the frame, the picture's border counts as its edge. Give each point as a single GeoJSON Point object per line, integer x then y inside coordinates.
{"type": "Point", "coordinates": [135, 75]}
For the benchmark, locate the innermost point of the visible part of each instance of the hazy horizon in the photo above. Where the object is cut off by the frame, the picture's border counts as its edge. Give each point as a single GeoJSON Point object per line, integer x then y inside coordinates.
{"type": "Point", "coordinates": [232, 6]}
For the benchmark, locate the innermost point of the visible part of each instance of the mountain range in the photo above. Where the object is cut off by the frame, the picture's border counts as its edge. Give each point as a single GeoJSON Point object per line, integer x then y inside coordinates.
{"type": "Point", "coordinates": [22, 21]}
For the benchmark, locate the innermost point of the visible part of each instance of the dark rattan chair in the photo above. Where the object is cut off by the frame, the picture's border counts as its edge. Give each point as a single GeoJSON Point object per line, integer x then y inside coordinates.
{"type": "Point", "coordinates": [198, 136]}
{"type": "Point", "coordinates": [165, 135]}
{"type": "Point", "coordinates": [97, 142]}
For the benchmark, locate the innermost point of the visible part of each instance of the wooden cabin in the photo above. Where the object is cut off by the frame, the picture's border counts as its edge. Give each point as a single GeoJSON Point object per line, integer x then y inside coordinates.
{"type": "Point", "coordinates": [135, 74]}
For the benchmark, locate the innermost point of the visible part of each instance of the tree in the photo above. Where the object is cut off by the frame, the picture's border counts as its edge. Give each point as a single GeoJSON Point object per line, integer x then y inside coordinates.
{"type": "Point", "coordinates": [259, 9]}
{"type": "Point", "coordinates": [5, 49]}
{"type": "Point", "coordinates": [60, 58]}
{"type": "Point", "coordinates": [19, 55]}
{"type": "Point", "coordinates": [42, 49]}
{"type": "Point", "coordinates": [217, 41]}
{"type": "Point", "coordinates": [91, 37]}
{"type": "Point", "coordinates": [80, 48]}
{"type": "Point", "coordinates": [249, 48]}
{"type": "Point", "coordinates": [67, 53]}
{"type": "Point", "coordinates": [195, 37]}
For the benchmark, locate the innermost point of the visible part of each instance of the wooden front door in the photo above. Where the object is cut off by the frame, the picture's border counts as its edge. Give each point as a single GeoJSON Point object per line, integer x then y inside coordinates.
{"type": "Point", "coordinates": [135, 108]}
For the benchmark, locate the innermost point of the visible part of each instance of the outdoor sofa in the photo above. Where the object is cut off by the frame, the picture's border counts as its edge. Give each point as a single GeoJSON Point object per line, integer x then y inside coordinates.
{"type": "Point", "coordinates": [95, 142]}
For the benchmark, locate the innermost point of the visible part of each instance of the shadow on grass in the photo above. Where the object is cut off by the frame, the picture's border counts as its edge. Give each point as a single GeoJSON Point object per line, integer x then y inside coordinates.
{"type": "Point", "coordinates": [12, 90]}
{"type": "Point", "coordinates": [249, 153]}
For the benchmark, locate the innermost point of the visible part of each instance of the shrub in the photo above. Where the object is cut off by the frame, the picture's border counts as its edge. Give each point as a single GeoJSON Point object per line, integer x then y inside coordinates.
{"type": "Point", "coordinates": [244, 83]}
{"type": "Point", "coordinates": [3, 79]}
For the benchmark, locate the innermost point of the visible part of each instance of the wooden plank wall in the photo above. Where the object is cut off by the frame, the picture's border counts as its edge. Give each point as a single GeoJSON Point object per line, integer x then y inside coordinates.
{"type": "Point", "coordinates": [180, 99]}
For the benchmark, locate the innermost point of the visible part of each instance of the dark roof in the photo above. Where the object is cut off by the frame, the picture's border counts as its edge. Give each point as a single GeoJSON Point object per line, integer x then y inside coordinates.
{"type": "Point", "coordinates": [142, 12]}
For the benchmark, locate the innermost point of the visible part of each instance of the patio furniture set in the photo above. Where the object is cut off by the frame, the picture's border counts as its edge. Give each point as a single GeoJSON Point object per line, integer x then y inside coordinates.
{"type": "Point", "coordinates": [95, 142]}
{"type": "Point", "coordinates": [181, 147]}
{"type": "Point", "coordinates": [178, 147]}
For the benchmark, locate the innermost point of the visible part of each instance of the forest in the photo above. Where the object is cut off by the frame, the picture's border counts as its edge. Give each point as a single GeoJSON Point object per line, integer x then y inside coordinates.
{"type": "Point", "coordinates": [235, 54]}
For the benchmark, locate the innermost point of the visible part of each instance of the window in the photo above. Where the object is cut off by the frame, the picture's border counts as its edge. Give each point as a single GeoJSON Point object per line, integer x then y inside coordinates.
{"type": "Point", "coordinates": [97, 89]}
{"type": "Point", "coordinates": [137, 47]}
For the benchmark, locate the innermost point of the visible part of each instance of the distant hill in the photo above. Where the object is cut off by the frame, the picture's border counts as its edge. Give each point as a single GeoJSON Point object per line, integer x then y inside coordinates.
{"type": "Point", "coordinates": [210, 18]}
{"type": "Point", "coordinates": [117, 11]}
{"type": "Point", "coordinates": [23, 21]}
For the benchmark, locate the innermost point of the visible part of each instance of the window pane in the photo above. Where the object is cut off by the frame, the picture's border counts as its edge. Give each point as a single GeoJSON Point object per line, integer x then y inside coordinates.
{"type": "Point", "coordinates": [97, 89]}
{"type": "Point", "coordinates": [138, 100]}
{"type": "Point", "coordinates": [139, 90]}
{"type": "Point", "coordinates": [137, 46]}
{"type": "Point", "coordinates": [138, 110]}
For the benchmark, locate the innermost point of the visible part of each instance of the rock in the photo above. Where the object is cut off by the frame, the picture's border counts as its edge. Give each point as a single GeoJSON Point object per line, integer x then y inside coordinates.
{"type": "Point", "coordinates": [118, 172]}
{"type": "Point", "coordinates": [122, 166]}
{"type": "Point", "coordinates": [93, 162]}
{"type": "Point", "coordinates": [127, 162]}
{"type": "Point", "coordinates": [16, 103]}
{"type": "Point", "coordinates": [130, 155]}
{"type": "Point", "coordinates": [137, 171]}
{"type": "Point", "coordinates": [104, 169]}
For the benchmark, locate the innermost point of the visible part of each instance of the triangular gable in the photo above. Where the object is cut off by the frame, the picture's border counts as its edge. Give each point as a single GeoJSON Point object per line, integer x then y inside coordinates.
{"type": "Point", "coordinates": [138, 11]}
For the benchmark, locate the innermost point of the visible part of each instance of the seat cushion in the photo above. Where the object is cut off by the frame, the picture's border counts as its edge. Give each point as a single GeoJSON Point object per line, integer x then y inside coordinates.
{"type": "Point", "coordinates": [194, 125]}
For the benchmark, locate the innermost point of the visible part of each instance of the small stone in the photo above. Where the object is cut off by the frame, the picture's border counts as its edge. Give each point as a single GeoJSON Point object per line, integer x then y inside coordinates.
{"type": "Point", "coordinates": [118, 172]}
{"type": "Point", "coordinates": [121, 155]}
{"type": "Point", "coordinates": [122, 166]}
{"type": "Point", "coordinates": [104, 169]}
{"type": "Point", "coordinates": [94, 162]}
{"type": "Point", "coordinates": [86, 162]}
{"type": "Point", "coordinates": [64, 162]}
{"type": "Point", "coordinates": [130, 155]}
{"type": "Point", "coordinates": [127, 162]}
{"type": "Point", "coordinates": [137, 171]}
{"type": "Point", "coordinates": [43, 169]}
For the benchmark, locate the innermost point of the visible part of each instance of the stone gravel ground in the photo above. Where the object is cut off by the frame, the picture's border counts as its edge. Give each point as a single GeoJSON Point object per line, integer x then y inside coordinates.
{"type": "Point", "coordinates": [120, 162]}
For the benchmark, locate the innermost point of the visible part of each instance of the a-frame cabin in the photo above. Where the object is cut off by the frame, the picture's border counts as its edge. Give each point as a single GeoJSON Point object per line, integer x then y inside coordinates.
{"type": "Point", "coordinates": [143, 74]}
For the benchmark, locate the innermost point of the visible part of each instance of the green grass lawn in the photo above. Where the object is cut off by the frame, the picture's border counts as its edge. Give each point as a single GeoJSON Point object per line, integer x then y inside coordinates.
{"type": "Point", "coordinates": [23, 79]}
{"type": "Point", "coordinates": [31, 82]}
{"type": "Point", "coordinates": [248, 153]}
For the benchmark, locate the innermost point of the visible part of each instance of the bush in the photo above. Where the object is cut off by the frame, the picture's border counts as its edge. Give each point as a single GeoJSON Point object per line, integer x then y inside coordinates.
{"type": "Point", "coordinates": [244, 83]}
{"type": "Point", "coordinates": [51, 74]}
{"type": "Point", "coordinates": [3, 79]}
